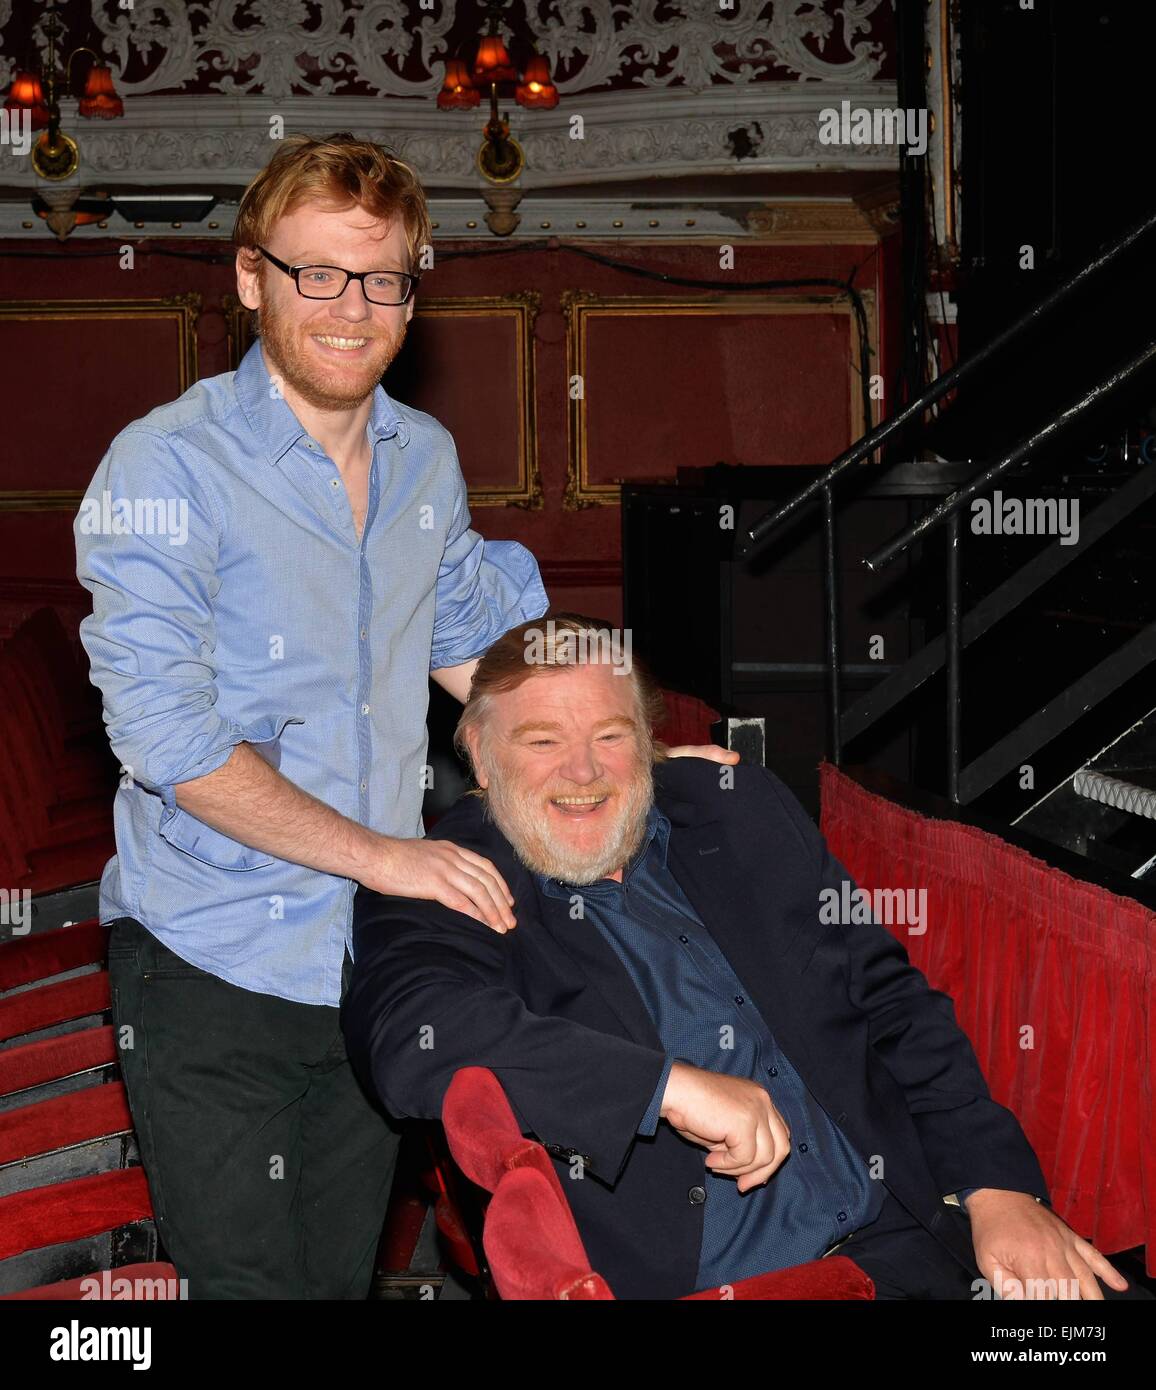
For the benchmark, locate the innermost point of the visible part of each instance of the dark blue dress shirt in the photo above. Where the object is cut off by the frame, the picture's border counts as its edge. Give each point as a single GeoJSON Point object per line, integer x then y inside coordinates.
{"type": "Point", "coordinates": [703, 1015]}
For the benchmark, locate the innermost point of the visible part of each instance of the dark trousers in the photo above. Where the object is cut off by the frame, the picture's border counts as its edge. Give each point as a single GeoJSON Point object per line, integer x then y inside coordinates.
{"type": "Point", "coordinates": [268, 1166]}
{"type": "Point", "coordinates": [906, 1261]}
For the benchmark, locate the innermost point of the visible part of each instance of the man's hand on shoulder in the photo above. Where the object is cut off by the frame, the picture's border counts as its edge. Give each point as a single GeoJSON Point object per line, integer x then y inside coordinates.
{"type": "Point", "coordinates": [1024, 1250]}
{"type": "Point", "coordinates": [444, 872]}
{"type": "Point", "coordinates": [710, 751]}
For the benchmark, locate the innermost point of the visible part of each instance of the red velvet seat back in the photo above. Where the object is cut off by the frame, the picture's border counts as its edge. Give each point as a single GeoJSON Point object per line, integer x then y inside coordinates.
{"type": "Point", "coordinates": [531, 1239]}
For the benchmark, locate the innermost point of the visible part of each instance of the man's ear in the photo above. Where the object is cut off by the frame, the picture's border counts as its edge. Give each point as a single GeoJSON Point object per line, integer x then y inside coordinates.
{"type": "Point", "coordinates": [248, 283]}
{"type": "Point", "coordinates": [474, 743]}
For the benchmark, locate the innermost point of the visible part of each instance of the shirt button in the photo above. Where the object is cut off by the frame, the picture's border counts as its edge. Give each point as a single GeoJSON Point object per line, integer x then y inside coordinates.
{"type": "Point", "coordinates": [696, 1196]}
{"type": "Point", "coordinates": [684, 939]}
{"type": "Point", "coordinates": [738, 999]}
{"type": "Point", "coordinates": [842, 1216]}
{"type": "Point", "coordinates": [365, 709]}
{"type": "Point", "coordinates": [363, 786]}
{"type": "Point", "coordinates": [363, 634]}
{"type": "Point", "coordinates": [773, 1071]}
{"type": "Point", "coordinates": [802, 1148]}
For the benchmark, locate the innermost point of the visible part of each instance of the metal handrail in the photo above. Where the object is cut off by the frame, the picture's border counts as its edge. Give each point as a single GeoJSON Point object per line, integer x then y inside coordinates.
{"type": "Point", "coordinates": [759, 533]}
{"type": "Point", "coordinates": [989, 610]}
{"type": "Point", "coordinates": [950, 505]}
{"type": "Point", "coordinates": [963, 783]}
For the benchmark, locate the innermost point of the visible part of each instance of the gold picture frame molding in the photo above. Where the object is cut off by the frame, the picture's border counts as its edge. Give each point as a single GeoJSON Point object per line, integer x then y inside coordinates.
{"type": "Point", "coordinates": [580, 306]}
{"type": "Point", "coordinates": [184, 309]}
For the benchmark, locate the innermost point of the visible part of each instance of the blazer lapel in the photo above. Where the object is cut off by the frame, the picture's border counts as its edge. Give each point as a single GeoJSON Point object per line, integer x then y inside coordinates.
{"type": "Point", "coordinates": [597, 963]}
{"type": "Point", "coordinates": [739, 912]}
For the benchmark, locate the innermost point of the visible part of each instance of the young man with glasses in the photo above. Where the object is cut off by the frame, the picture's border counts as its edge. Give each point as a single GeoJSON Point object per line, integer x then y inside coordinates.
{"type": "Point", "coordinates": [265, 689]}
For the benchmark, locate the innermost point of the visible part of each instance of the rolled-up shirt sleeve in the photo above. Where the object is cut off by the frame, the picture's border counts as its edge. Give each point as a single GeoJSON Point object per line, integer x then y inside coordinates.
{"type": "Point", "coordinates": [150, 637]}
{"type": "Point", "coordinates": [484, 588]}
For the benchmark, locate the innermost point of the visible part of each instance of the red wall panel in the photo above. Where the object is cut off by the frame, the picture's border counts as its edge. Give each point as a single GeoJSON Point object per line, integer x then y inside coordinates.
{"type": "Point", "coordinates": [664, 390]}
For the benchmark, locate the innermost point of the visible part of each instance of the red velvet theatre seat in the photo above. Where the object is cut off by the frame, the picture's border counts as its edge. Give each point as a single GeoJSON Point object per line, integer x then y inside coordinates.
{"type": "Point", "coordinates": [56, 798]}
{"type": "Point", "coordinates": [65, 1116]}
{"type": "Point", "coordinates": [530, 1238]}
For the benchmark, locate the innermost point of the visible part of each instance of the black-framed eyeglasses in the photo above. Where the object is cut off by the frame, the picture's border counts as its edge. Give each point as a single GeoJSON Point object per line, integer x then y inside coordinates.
{"type": "Point", "coordinates": [329, 281]}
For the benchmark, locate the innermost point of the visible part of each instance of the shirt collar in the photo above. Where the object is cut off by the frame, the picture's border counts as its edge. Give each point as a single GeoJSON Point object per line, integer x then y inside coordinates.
{"type": "Point", "coordinates": [656, 834]}
{"type": "Point", "coordinates": [271, 417]}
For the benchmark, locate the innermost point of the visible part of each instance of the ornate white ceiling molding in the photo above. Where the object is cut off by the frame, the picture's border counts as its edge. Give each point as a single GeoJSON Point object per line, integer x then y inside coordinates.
{"type": "Point", "coordinates": [785, 221]}
{"type": "Point", "coordinates": [348, 46]}
{"type": "Point", "coordinates": [222, 142]}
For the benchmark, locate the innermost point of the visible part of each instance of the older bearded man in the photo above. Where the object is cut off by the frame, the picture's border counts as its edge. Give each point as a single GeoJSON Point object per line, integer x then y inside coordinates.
{"type": "Point", "coordinates": [672, 988]}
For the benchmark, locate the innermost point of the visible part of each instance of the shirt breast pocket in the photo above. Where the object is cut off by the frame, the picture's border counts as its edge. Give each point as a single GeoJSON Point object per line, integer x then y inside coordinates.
{"type": "Point", "coordinates": [200, 841]}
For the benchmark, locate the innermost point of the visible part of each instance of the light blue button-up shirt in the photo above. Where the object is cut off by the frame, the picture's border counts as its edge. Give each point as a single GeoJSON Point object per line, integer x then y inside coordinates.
{"type": "Point", "coordinates": [234, 602]}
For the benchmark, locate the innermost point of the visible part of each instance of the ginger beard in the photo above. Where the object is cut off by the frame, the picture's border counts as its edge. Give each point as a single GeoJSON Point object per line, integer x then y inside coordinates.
{"type": "Point", "coordinates": [325, 382]}
{"type": "Point", "coordinates": [526, 818]}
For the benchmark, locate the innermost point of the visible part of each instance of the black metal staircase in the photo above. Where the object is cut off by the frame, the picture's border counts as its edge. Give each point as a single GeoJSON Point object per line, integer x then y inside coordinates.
{"type": "Point", "coordinates": [1073, 761]}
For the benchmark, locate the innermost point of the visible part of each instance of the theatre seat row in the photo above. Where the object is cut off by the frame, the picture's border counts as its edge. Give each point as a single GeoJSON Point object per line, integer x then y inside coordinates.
{"type": "Point", "coordinates": [63, 1108]}
{"type": "Point", "coordinates": [60, 776]}
{"type": "Point", "coordinates": [66, 1179]}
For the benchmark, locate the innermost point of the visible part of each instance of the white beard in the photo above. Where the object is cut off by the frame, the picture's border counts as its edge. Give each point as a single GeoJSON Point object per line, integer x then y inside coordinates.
{"type": "Point", "coordinates": [521, 817]}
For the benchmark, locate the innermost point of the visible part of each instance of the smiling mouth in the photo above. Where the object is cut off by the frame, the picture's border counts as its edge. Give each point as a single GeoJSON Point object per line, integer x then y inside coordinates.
{"type": "Point", "coordinates": [340, 344]}
{"type": "Point", "coordinates": [578, 805]}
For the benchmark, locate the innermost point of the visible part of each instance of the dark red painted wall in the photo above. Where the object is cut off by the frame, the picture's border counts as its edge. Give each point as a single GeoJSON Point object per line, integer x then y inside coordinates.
{"type": "Point", "coordinates": [68, 395]}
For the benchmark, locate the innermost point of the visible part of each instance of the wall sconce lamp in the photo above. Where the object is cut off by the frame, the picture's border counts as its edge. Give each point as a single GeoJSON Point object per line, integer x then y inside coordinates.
{"type": "Point", "coordinates": [56, 156]}
{"type": "Point", "coordinates": [501, 158]}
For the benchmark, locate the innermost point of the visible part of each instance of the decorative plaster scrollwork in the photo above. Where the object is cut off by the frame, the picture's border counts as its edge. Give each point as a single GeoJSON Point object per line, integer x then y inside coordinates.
{"type": "Point", "coordinates": [7, 65]}
{"type": "Point", "coordinates": [282, 48]}
{"type": "Point", "coordinates": [194, 139]}
{"type": "Point", "coordinates": [699, 38]}
{"type": "Point", "coordinates": [157, 31]}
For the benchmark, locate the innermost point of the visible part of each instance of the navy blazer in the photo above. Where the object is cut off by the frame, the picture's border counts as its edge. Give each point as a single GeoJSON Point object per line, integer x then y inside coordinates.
{"type": "Point", "coordinates": [433, 990]}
